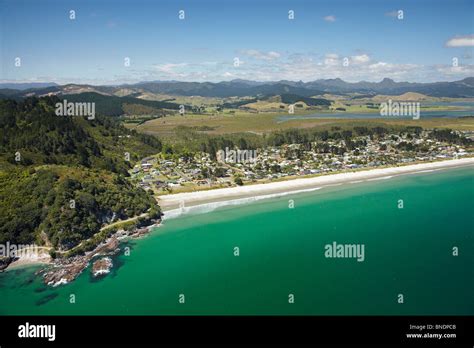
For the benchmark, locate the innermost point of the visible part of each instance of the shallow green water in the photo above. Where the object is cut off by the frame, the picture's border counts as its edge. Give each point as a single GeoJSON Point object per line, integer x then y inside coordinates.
{"type": "Point", "coordinates": [407, 251]}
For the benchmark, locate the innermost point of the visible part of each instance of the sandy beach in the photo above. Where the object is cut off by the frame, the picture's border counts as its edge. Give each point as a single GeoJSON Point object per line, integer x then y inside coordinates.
{"type": "Point", "coordinates": [32, 258]}
{"type": "Point", "coordinates": [172, 203]}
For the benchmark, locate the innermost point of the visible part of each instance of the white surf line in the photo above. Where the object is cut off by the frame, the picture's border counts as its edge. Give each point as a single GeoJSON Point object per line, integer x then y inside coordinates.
{"type": "Point", "coordinates": [293, 186]}
{"type": "Point", "coordinates": [208, 207]}
{"type": "Point", "coordinates": [438, 169]}
{"type": "Point", "coordinates": [382, 178]}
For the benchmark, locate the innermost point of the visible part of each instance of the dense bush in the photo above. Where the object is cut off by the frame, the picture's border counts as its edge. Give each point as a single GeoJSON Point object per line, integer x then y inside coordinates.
{"type": "Point", "coordinates": [69, 179]}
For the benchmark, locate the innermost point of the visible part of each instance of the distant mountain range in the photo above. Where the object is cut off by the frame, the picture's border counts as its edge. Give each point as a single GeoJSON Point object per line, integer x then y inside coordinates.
{"type": "Point", "coordinates": [239, 88]}
{"type": "Point", "coordinates": [22, 86]}
{"type": "Point", "coordinates": [153, 98]}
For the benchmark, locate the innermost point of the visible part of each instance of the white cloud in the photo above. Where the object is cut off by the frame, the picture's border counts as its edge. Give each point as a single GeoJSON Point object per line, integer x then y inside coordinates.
{"type": "Point", "coordinates": [331, 59]}
{"type": "Point", "coordinates": [271, 55]}
{"type": "Point", "coordinates": [169, 67]}
{"type": "Point", "coordinates": [459, 71]}
{"type": "Point", "coordinates": [379, 65]}
{"type": "Point", "coordinates": [309, 67]}
{"type": "Point", "coordinates": [330, 18]}
{"type": "Point", "coordinates": [461, 41]}
{"type": "Point", "coordinates": [293, 66]}
{"type": "Point", "coordinates": [361, 59]}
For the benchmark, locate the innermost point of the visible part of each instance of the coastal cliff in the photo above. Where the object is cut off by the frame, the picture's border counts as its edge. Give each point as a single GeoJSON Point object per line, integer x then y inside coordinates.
{"type": "Point", "coordinates": [66, 269]}
{"type": "Point", "coordinates": [64, 184]}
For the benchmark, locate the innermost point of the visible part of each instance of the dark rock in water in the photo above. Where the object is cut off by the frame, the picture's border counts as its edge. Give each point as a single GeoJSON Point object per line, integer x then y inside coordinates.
{"type": "Point", "coordinates": [41, 289]}
{"type": "Point", "coordinates": [46, 299]}
{"type": "Point", "coordinates": [65, 271]}
{"type": "Point", "coordinates": [5, 261]}
{"type": "Point", "coordinates": [102, 266]}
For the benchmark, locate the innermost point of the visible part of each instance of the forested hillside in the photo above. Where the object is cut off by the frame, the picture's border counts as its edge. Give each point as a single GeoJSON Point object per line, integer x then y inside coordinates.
{"type": "Point", "coordinates": [32, 130]}
{"type": "Point", "coordinates": [116, 106]}
{"type": "Point", "coordinates": [63, 178]}
{"type": "Point", "coordinates": [293, 98]}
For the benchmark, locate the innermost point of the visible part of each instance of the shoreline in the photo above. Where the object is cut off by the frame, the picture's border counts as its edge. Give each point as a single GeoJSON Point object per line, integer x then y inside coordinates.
{"type": "Point", "coordinates": [170, 204]}
{"type": "Point", "coordinates": [64, 270]}
{"type": "Point", "coordinates": [21, 262]}
{"type": "Point", "coordinates": [41, 258]}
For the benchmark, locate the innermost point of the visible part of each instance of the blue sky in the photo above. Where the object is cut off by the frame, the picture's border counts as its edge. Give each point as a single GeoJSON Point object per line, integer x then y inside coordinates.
{"type": "Point", "coordinates": [351, 39]}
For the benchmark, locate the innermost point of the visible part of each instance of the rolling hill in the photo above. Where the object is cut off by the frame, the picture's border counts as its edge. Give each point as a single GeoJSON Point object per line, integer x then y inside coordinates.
{"type": "Point", "coordinates": [240, 88]}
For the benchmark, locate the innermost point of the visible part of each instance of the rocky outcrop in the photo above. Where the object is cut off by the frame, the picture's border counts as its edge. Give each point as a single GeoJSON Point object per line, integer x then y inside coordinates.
{"type": "Point", "coordinates": [140, 232]}
{"type": "Point", "coordinates": [65, 270]}
{"type": "Point", "coordinates": [102, 266]}
{"type": "Point", "coordinates": [5, 261]}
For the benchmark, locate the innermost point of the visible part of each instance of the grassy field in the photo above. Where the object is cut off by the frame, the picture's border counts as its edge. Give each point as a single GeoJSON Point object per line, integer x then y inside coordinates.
{"type": "Point", "coordinates": [364, 108]}
{"type": "Point", "coordinates": [191, 100]}
{"type": "Point", "coordinates": [242, 122]}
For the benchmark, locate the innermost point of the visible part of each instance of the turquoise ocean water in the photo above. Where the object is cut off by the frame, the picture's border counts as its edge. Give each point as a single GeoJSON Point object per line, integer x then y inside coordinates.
{"type": "Point", "coordinates": [407, 251]}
